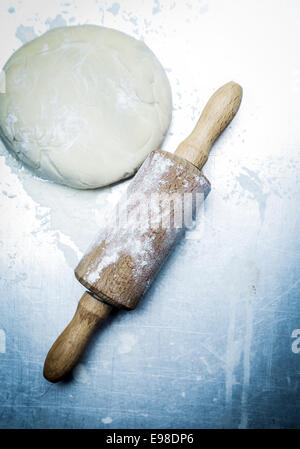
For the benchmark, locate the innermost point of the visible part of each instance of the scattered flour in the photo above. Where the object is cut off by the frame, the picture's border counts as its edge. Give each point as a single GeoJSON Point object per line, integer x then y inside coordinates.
{"type": "Point", "coordinates": [80, 374]}
{"type": "Point", "coordinates": [107, 420]}
{"type": "Point", "coordinates": [127, 342]}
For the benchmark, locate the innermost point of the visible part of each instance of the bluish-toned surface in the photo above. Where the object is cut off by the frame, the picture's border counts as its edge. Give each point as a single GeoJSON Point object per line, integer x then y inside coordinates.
{"type": "Point", "coordinates": [214, 343]}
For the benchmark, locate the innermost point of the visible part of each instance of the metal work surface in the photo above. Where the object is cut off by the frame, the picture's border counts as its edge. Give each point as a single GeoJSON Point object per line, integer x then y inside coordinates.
{"type": "Point", "coordinates": [214, 342]}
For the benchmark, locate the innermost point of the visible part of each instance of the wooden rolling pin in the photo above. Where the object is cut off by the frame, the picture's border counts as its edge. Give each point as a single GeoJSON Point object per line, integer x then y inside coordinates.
{"type": "Point", "coordinates": [120, 266]}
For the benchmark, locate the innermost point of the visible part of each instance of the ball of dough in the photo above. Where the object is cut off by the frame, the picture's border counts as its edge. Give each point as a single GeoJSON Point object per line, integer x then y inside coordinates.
{"type": "Point", "coordinates": [84, 105]}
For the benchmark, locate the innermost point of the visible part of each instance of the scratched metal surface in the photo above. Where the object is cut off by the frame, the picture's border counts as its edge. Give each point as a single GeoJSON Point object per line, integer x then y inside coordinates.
{"type": "Point", "coordinates": [214, 343]}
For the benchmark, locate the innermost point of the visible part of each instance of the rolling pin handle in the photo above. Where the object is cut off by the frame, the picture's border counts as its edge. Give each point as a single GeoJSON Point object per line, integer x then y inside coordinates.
{"type": "Point", "coordinates": [216, 116]}
{"type": "Point", "coordinates": [69, 346]}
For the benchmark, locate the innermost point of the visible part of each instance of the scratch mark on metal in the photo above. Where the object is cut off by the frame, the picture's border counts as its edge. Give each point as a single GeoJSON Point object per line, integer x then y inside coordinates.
{"type": "Point", "coordinates": [2, 341]}
{"type": "Point", "coordinates": [246, 361]}
{"type": "Point", "coordinates": [230, 358]}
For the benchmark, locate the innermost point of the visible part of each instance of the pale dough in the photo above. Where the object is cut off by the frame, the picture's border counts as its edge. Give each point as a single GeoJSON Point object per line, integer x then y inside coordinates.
{"type": "Point", "coordinates": [84, 105]}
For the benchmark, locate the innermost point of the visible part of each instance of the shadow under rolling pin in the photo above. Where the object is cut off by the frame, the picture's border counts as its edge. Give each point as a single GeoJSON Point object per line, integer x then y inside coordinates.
{"type": "Point", "coordinates": [121, 265]}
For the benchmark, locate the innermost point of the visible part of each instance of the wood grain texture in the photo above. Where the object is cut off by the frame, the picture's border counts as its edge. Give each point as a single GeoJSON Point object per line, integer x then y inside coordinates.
{"type": "Point", "coordinates": [69, 346]}
{"type": "Point", "coordinates": [216, 116]}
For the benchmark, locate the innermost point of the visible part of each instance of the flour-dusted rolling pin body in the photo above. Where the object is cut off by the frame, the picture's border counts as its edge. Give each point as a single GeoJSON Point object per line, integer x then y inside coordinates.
{"type": "Point", "coordinates": [129, 251]}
